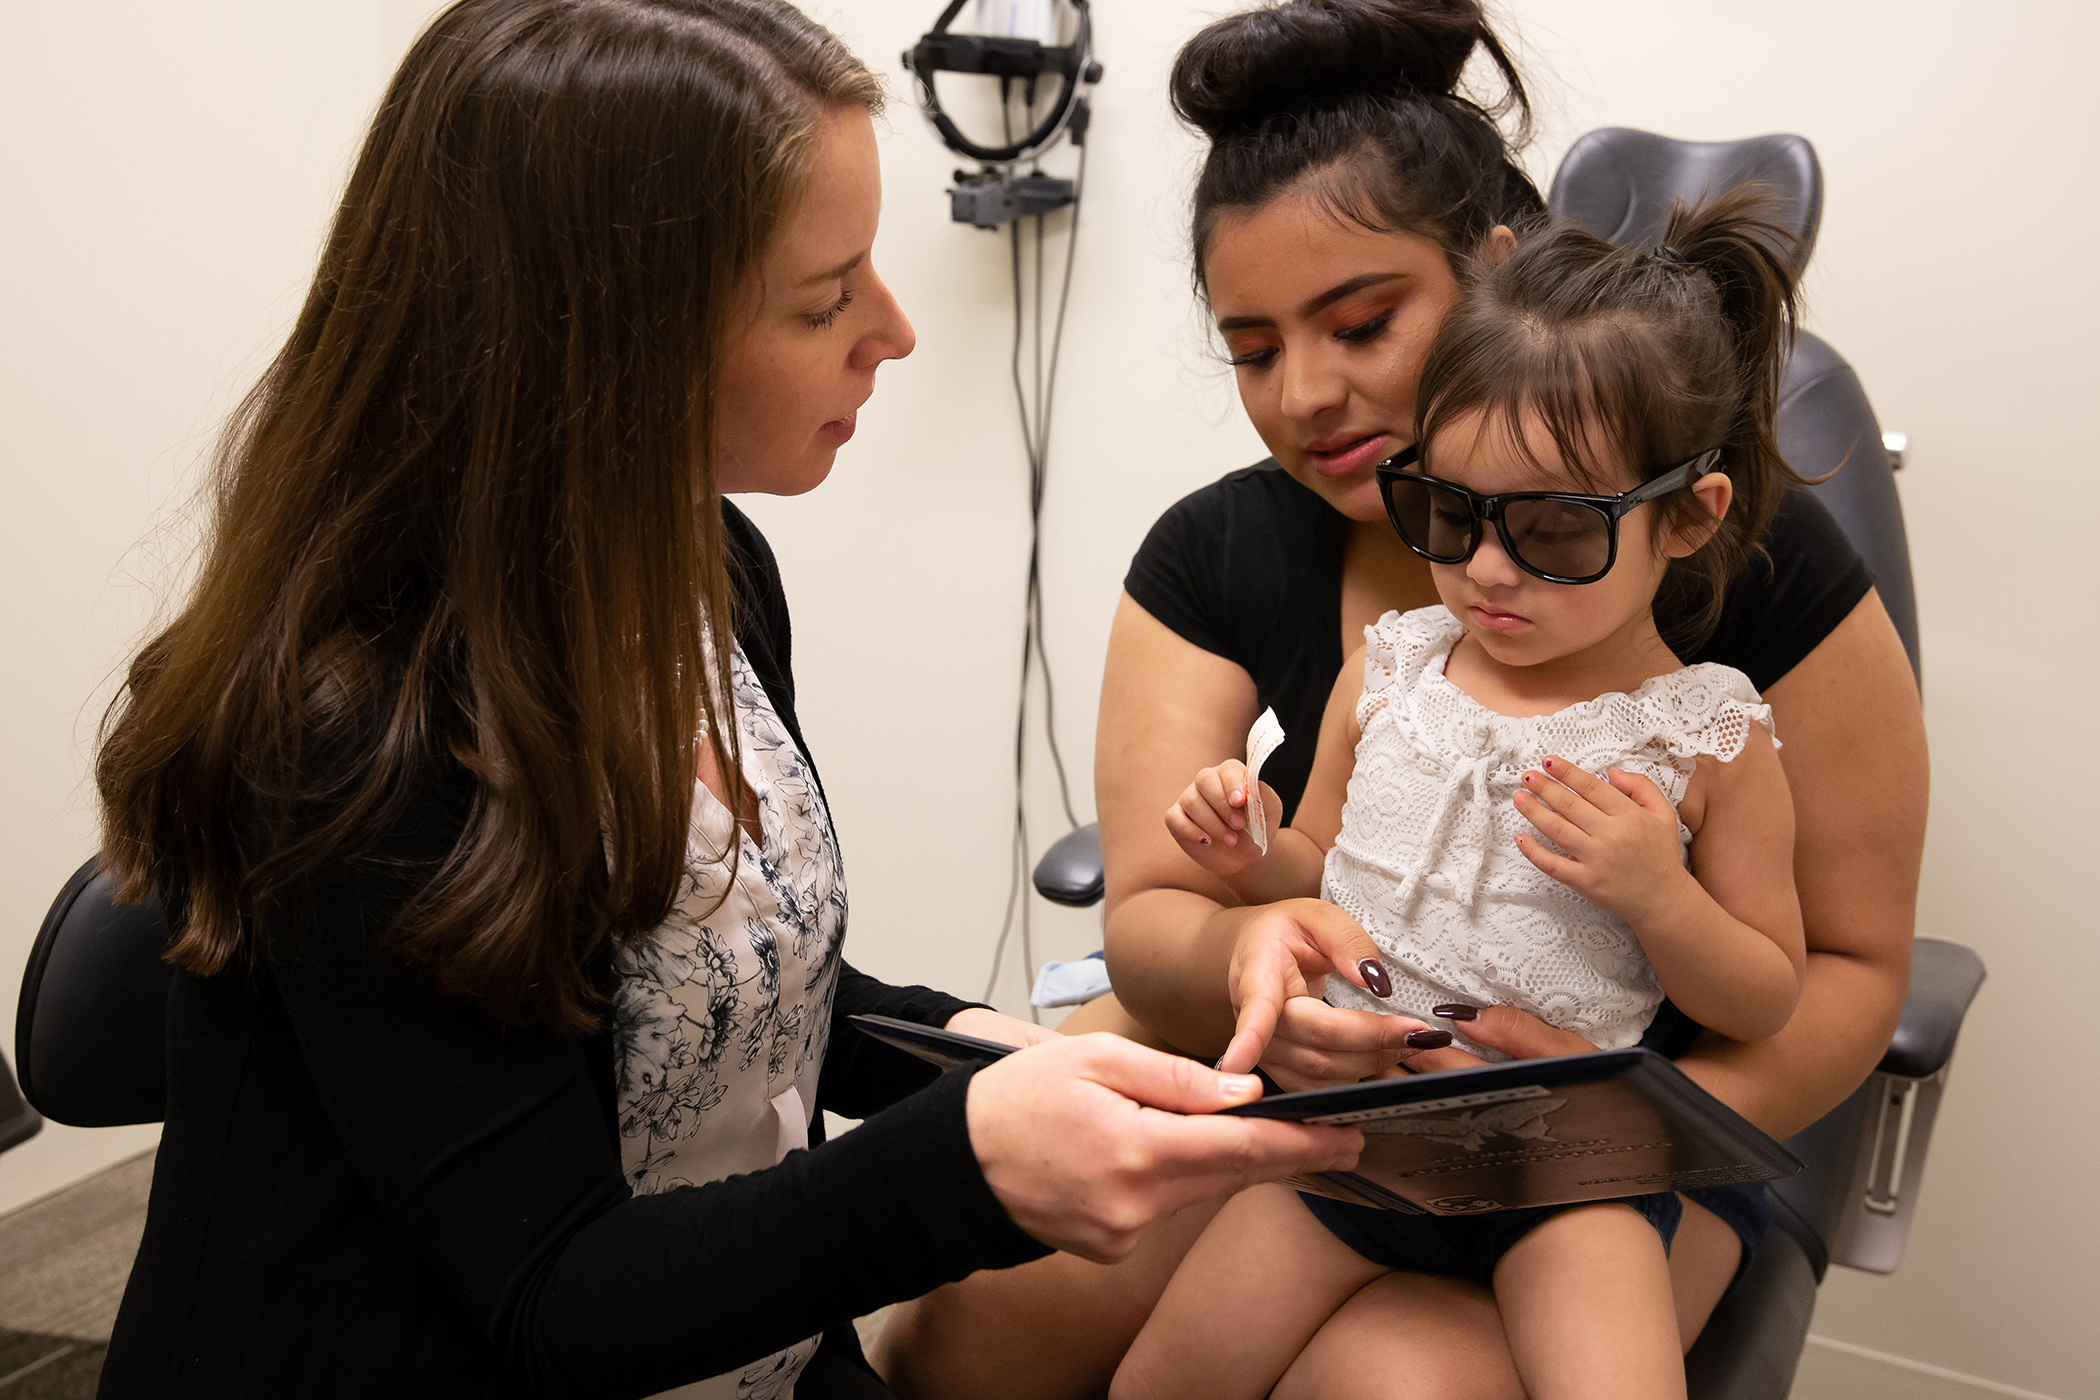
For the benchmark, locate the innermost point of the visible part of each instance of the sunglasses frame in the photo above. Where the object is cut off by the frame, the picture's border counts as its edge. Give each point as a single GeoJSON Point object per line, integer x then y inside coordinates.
{"type": "Point", "coordinates": [1399, 467]}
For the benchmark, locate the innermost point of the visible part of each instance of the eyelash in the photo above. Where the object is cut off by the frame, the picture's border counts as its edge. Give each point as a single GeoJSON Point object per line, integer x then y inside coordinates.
{"type": "Point", "coordinates": [824, 320]}
{"type": "Point", "coordinates": [1354, 335]}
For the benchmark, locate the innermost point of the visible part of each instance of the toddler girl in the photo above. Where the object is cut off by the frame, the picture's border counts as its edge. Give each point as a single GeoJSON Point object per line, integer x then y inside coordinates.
{"type": "Point", "coordinates": [1524, 796]}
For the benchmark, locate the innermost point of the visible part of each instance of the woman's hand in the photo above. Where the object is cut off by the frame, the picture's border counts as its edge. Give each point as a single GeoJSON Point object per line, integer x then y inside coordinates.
{"type": "Point", "coordinates": [1209, 821]}
{"type": "Point", "coordinates": [1515, 1033]}
{"type": "Point", "coordinates": [987, 1024]}
{"type": "Point", "coordinates": [1284, 1026]}
{"type": "Point", "coordinates": [1073, 1140]}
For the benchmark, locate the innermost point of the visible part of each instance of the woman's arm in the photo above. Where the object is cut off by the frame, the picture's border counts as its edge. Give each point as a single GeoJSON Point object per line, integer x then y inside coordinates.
{"type": "Point", "coordinates": [1853, 739]}
{"type": "Point", "coordinates": [1168, 708]}
{"type": "Point", "coordinates": [1178, 943]}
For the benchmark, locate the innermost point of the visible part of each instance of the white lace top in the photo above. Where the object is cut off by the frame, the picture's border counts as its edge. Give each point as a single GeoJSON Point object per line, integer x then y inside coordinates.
{"type": "Point", "coordinates": [1427, 859]}
{"type": "Point", "coordinates": [722, 1017]}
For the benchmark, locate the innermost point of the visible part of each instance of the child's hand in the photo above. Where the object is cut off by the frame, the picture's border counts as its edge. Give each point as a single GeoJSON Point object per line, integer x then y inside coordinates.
{"type": "Point", "coordinates": [1620, 837]}
{"type": "Point", "coordinates": [1210, 820]}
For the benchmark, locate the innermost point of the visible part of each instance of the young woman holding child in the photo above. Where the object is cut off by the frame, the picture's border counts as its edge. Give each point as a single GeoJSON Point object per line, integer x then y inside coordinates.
{"type": "Point", "coordinates": [1595, 426]}
{"type": "Point", "coordinates": [1346, 181]}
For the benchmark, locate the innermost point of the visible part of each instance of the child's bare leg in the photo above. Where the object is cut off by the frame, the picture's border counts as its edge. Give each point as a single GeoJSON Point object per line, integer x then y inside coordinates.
{"type": "Point", "coordinates": [1244, 1303]}
{"type": "Point", "coordinates": [1587, 1307]}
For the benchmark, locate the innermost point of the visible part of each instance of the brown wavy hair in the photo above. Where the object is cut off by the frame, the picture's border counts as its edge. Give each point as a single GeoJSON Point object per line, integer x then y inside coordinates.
{"type": "Point", "coordinates": [468, 515]}
{"type": "Point", "coordinates": [1648, 356]}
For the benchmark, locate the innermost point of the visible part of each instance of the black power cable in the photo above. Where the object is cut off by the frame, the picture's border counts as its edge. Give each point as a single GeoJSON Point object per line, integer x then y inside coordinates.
{"type": "Point", "coordinates": [1035, 437]}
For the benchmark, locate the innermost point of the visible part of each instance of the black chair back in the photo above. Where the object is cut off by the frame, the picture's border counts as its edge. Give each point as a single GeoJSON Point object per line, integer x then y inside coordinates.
{"type": "Point", "coordinates": [91, 1033]}
{"type": "Point", "coordinates": [18, 1121]}
{"type": "Point", "coordinates": [1619, 184]}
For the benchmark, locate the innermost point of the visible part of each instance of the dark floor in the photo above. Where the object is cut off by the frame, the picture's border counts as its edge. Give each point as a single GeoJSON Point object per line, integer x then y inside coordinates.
{"type": "Point", "coordinates": [67, 1257]}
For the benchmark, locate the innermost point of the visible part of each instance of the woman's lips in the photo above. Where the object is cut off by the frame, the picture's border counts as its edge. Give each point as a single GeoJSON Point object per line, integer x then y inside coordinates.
{"type": "Point", "coordinates": [839, 430]}
{"type": "Point", "coordinates": [1346, 452]}
{"type": "Point", "coordinates": [1495, 620]}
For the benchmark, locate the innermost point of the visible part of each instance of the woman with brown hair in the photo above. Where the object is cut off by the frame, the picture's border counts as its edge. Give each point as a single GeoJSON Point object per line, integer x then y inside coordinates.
{"type": "Point", "coordinates": [1347, 178]}
{"type": "Point", "coordinates": [498, 1042]}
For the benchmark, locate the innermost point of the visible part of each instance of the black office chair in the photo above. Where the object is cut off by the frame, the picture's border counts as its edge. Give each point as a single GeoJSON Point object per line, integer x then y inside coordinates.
{"type": "Point", "coordinates": [1866, 1158]}
{"type": "Point", "coordinates": [18, 1121]}
{"type": "Point", "coordinates": [91, 1029]}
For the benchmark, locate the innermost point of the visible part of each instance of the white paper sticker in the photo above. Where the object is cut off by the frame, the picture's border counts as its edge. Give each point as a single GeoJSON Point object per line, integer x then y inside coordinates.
{"type": "Point", "coordinates": [1262, 740]}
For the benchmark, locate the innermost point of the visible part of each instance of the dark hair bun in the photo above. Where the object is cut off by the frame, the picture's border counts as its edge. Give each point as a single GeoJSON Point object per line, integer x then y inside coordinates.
{"type": "Point", "coordinates": [1242, 69]}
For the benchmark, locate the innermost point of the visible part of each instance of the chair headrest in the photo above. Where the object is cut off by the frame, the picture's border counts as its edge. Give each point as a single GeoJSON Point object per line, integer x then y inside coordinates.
{"type": "Point", "coordinates": [1619, 183]}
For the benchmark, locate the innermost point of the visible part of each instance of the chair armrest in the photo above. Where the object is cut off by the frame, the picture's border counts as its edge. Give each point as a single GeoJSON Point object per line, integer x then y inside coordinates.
{"type": "Point", "coordinates": [1943, 981]}
{"type": "Point", "coordinates": [1070, 871]}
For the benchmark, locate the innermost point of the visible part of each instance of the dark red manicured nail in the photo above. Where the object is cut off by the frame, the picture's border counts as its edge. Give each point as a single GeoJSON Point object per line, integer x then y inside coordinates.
{"type": "Point", "coordinates": [1428, 1040]}
{"type": "Point", "coordinates": [1456, 1011]}
{"type": "Point", "coordinates": [1375, 977]}
{"type": "Point", "coordinates": [1549, 763]}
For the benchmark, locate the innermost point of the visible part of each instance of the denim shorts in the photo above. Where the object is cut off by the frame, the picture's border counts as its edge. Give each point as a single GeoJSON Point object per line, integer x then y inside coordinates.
{"type": "Point", "coordinates": [1465, 1246]}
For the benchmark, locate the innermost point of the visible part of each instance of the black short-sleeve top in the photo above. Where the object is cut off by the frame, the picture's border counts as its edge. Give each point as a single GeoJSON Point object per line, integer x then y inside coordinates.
{"type": "Point", "coordinates": [1250, 568]}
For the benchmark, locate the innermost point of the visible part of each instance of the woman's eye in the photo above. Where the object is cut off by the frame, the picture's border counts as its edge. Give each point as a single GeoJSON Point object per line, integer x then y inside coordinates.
{"type": "Point", "coordinates": [824, 320]}
{"type": "Point", "coordinates": [1255, 359]}
{"type": "Point", "coordinates": [1366, 330]}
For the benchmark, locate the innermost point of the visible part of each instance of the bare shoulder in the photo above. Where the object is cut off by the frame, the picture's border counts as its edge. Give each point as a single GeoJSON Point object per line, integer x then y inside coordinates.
{"type": "Point", "coordinates": [1752, 778]}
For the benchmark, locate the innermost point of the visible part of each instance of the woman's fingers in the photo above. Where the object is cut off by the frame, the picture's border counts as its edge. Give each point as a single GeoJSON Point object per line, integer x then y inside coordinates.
{"type": "Point", "coordinates": [1436, 1061]}
{"type": "Point", "coordinates": [1523, 1036]}
{"type": "Point", "coordinates": [1084, 1140]}
{"type": "Point", "coordinates": [1275, 959]}
{"type": "Point", "coordinates": [1342, 945]}
{"type": "Point", "coordinates": [1317, 1045]}
{"type": "Point", "coordinates": [987, 1024]}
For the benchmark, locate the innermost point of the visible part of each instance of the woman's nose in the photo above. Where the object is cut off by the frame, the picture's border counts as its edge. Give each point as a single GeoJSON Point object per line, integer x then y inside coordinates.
{"type": "Point", "coordinates": [1311, 385]}
{"type": "Point", "coordinates": [891, 337]}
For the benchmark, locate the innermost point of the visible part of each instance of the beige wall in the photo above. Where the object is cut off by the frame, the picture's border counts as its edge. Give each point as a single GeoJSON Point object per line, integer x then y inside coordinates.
{"type": "Point", "coordinates": [169, 169]}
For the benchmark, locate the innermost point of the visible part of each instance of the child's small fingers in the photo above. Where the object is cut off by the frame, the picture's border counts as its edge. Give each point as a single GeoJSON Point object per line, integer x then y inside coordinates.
{"type": "Point", "coordinates": [1213, 821]}
{"type": "Point", "coordinates": [1551, 824]}
{"type": "Point", "coordinates": [1598, 792]}
{"type": "Point", "coordinates": [1211, 785]}
{"type": "Point", "coordinates": [1559, 867]}
{"type": "Point", "coordinates": [1559, 798]}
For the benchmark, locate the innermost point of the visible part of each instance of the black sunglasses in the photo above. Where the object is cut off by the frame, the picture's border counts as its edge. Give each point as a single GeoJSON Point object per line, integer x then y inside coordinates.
{"type": "Point", "coordinates": [1559, 536]}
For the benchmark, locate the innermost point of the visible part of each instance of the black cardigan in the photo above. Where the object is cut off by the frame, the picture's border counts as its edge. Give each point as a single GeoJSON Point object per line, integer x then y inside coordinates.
{"type": "Point", "coordinates": [366, 1189]}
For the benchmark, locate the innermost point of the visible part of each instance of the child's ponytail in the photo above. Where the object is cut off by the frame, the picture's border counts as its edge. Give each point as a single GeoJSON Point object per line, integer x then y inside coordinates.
{"type": "Point", "coordinates": [1669, 352]}
{"type": "Point", "coordinates": [1749, 260]}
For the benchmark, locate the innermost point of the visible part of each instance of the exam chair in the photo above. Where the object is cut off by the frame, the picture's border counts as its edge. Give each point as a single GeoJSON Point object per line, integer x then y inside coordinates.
{"type": "Point", "coordinates": [18, 1121]}
{"type": "Point", "coordinates": [1865, 1160]}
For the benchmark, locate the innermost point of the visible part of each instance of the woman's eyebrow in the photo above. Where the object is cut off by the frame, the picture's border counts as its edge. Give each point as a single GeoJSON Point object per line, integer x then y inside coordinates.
{"type": "Point", "coordinates": [1318, 304]}
{"type": "Point", "coordinates": [833, 274]}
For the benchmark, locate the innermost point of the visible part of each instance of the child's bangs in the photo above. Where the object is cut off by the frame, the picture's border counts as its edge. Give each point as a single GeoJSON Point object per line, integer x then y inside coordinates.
{"type": "Point", "coordinates": [1577, 388]}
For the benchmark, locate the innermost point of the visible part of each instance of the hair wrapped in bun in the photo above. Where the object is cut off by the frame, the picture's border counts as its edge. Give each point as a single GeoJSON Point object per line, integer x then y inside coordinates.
{"type": "Point", "coordinates": [1363, 91]}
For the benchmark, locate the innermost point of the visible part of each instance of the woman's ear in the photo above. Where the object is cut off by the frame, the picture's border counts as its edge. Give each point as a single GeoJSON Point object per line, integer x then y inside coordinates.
{"type": "Point", "coordinates": [1715, 493]}
{"type": "Point", "coordinates": [1496, 247]}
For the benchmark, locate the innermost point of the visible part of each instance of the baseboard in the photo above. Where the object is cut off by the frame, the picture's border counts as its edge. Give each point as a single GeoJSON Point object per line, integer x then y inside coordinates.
{"type": "Point", "coordinates": [1834, 1370]}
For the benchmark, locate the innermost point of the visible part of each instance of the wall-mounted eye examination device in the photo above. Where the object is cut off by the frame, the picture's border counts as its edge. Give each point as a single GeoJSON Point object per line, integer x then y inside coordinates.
{"type": "Point", "coordinates": [1018, 45]}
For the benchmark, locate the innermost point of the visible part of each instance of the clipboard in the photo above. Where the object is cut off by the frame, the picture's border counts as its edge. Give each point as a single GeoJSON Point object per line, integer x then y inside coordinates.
{"type": "Point", "coordinates": [1496, 1137]}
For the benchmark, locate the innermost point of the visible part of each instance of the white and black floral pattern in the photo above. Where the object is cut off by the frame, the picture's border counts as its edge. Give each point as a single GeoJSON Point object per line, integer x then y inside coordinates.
{"type": "Point", "coordinates": [721, 1017]}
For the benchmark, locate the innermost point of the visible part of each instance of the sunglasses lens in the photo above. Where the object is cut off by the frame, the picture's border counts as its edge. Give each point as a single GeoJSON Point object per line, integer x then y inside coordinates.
{"type": "Point", "coordinates": [1434, 521]}
{"type": "Point", "coordinates": [1559, 537]}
